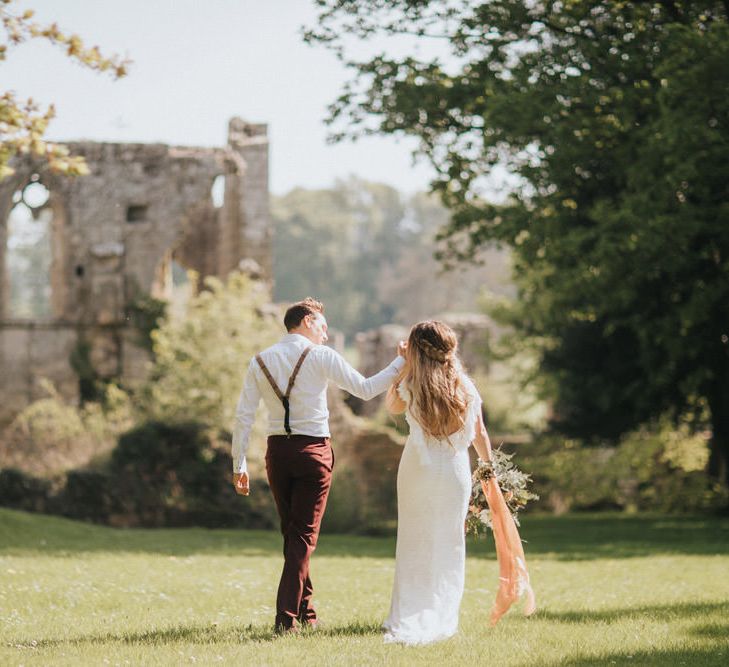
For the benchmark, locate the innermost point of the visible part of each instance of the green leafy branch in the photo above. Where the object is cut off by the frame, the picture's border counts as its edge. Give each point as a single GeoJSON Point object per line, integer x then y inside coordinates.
{"type": "Point", "coordinates": [23, 123]}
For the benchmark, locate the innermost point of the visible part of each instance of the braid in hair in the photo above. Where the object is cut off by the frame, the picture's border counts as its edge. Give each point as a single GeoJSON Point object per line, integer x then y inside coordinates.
{"type": "Point", "coordinates": [431, 351]}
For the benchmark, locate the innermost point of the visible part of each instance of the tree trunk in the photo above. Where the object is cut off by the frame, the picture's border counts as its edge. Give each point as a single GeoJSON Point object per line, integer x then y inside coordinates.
{"type": "Point", "coordinates": [719, 456]}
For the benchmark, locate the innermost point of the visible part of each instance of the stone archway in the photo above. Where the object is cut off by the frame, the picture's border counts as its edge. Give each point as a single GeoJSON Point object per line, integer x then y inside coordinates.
{"type": "Point", "coordinates": [32, 252]}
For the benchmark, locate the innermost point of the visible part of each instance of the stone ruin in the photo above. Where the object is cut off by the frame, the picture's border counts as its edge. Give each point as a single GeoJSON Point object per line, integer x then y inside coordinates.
{"type": "Point", "coordinates": [377, 347]}
{"type": "Point", "coordinates": [115, 236]}
{"type": "Point", "coordinates": [119, 235]}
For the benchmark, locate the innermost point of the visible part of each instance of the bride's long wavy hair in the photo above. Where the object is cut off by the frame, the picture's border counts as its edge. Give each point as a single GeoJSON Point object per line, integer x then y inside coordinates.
{"type": "Point", "coordinates": [432, 377]}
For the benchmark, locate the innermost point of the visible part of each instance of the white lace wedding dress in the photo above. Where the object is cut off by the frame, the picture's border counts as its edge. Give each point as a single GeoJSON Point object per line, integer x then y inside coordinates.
{"type": "Point", "coordinates": [433, 490]}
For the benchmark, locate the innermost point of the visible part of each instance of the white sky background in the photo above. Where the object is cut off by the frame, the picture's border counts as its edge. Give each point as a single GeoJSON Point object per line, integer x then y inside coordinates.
{"type": "Point", "coordinates": [196, 64]}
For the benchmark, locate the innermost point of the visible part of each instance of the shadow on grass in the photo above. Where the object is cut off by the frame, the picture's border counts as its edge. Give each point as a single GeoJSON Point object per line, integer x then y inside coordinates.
{"type": "Point", "coordinates": [713, 651]}
{"type": "Point", "coordinates": [712, 630]}
{"type": "Point", "coordinates": [205, 634]}
{"type": "Point", "coordinates": [670, 612]}
{"type": "Point", "coordinates": [569, 538]}
{"type": "Point", "coordinates": [709, 656]}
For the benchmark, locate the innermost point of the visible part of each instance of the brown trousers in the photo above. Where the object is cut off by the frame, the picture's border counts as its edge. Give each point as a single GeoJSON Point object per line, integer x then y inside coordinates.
{"type": "Point", "coordinates": [299, 471]}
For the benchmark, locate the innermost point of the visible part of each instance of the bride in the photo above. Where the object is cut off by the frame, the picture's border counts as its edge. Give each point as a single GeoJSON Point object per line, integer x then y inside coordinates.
{"type": "Point", "coordinates": [443, 410]}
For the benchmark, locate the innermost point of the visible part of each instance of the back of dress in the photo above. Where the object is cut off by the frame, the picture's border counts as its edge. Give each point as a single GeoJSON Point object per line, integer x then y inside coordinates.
{"type": "Point", "coordinates": [458, 440]}
{"type": "Point", "coordinates": [433, 490]}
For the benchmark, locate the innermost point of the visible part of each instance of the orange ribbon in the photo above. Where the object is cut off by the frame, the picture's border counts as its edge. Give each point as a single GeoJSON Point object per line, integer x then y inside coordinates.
{"type": "Point", "coordinates": [513, 574]}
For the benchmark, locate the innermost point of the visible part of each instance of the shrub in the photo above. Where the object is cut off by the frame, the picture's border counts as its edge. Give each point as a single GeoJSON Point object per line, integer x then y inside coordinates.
{"type": "Point", "coordinates": [174, 468]}
{"type": "Point", "coordinates": [344, 512]}
{"type": "Point", "coordinates": [200, 359]}
{"type": "Point", "coordinates": [159, 475]}
{"type": "Point", "coordinates": [180, 474]}
{"type": "Point", "coordinates": [660, 469]}
{"type": "Point", "coordinates": [90, 495]}
{"type": "Point", "coordinates": [23, 492]}
{"type": "Point", "coordinates": [50, 437]}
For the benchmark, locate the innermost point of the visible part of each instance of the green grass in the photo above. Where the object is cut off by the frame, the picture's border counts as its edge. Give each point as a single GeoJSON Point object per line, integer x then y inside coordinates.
{"type": "Point", "coordinates": [611, 590]}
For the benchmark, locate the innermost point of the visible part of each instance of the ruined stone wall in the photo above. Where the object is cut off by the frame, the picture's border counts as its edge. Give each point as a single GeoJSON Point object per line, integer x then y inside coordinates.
{"type": "Point", "coordinates": [251, 143]}
{"type": "Point", "coordinates": [114, 236]}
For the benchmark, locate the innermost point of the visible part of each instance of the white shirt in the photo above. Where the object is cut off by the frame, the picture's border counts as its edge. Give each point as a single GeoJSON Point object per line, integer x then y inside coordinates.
{"type": "Point", "coordinates": [308, 411]}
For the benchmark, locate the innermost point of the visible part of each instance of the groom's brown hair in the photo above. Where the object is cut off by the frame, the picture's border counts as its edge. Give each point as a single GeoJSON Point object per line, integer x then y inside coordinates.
{"type": "Point", "coordinates": [298, 311]}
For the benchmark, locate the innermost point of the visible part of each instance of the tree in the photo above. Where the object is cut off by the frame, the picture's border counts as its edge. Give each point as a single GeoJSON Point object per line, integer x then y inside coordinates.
{"type": "Point", "coordinates": [200, 359]}
{"type": "Point", "coordinates": [614, 116]}
{"type": "Point", "coordinates": [23, 123]}
{"type": "Point", "coordinates": [333, 244]}
{"type": "Point", "coordinates": [367, 252]}
{"type": "Point", "coordinates": [417, 287]}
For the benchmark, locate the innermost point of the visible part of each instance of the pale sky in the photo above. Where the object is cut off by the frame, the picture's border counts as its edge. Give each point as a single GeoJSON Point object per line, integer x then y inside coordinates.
{"type": "Point", "coordinates": [196, 64]}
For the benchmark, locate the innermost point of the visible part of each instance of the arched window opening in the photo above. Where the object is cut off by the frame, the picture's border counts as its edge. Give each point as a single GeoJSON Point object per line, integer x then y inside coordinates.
{"type": "Point", "coordinates": [173, 285]}
{"type": "Point", "coordinates": [29, 254]}
{"type": "Point", "coordinates": [217, 191]}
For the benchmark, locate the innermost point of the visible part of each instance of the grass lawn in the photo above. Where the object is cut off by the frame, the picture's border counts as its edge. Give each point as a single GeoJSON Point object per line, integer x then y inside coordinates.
{"type": "Point", "coordinates": [611, 590]}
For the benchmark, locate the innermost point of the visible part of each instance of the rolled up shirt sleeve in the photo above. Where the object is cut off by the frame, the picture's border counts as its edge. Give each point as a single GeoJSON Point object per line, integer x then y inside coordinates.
{"type": "Point", "coordinates": [245, 413]}
{"type": "Point", "coordinates": [344, 376]}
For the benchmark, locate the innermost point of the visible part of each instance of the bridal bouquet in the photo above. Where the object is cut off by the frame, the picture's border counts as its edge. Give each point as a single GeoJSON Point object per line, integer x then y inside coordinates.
{"type": "Point", "coordinates": [512, 482]}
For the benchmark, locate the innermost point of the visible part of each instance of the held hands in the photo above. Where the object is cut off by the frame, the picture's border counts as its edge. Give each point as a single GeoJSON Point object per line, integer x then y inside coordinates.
{"type": "Point", "coordinates": [241, 483]}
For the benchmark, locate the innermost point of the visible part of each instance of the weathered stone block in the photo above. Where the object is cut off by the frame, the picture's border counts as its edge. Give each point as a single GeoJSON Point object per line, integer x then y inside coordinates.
{"type": "Point", "coordinates": [114, 235]}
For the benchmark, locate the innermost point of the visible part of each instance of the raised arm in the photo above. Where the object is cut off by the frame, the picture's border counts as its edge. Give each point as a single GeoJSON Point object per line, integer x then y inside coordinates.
{"type": "Point", "coordinates": [343, 375]}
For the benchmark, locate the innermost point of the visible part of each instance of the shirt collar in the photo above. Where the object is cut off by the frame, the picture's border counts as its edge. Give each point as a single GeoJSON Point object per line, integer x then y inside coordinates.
{"type": "Point", "coordinates": [296, 338]}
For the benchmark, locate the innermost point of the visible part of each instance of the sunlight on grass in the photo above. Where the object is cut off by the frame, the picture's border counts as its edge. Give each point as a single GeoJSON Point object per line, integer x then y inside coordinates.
{"type": "Point", "coordinates": [611, 590]}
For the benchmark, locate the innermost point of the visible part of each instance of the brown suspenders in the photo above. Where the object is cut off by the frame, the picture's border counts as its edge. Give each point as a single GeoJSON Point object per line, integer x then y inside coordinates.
{"type": "Point", "coordinates": [284, 398]}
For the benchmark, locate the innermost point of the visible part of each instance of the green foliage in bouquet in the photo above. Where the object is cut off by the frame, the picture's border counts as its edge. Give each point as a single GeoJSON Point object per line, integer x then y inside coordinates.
{"type": "Point", "coordinates": [512, 482]}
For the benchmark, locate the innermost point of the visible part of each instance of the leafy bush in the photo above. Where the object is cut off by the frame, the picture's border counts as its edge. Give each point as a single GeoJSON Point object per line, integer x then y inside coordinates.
{"type": "Point", "coordinates": [145, 313]}
{"type": "Point", "coordinates": [159, 475]}
{"type": "Point", "coordinates": [23, 492]}
{"type": "Point", "coordinates": [91, 495]}
{"type": "Point", "coordinates": [200, 359]}
{"type": "Point", "coordinates": [180, 474]}
{"type": "Point", "coordinates": [343, 512]}
{"type": "Point", "coordinates": [662, 469]}
{"type": "Point", "coordinates": [50, 436]}
{"type": "Point", "coordinates": [174, 467]}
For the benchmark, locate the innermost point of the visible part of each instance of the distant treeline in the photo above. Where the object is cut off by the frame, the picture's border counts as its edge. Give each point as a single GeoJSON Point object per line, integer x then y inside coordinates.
{"type": "Point", "coordinates": [368, 251]}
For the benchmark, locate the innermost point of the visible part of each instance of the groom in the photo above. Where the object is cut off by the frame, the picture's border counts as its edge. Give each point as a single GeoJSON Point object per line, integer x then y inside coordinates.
{"type": "Point", "coordinates": [291, 377]}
